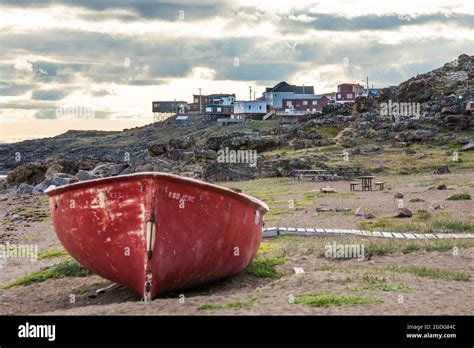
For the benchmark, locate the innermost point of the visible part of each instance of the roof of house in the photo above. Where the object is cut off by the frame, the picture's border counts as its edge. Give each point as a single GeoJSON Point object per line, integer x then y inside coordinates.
{"type": "Point", "coordinates": [349, 84]}
{"type": "Point", "coordinates": [286, 87]}
{"type": "Point", "coordinates": [220, 95]}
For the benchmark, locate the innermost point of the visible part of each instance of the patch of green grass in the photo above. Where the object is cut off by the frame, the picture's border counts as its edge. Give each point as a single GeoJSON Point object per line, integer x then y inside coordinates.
{"type": "Point", "coordinates": [328, 131]}
{"type": "Point", "coordinates": [382, 287]}
{"type": "Point", "coordinates": [65, 269]}
{"type": "Point", "coordinates": [434, 273]}
{"type": "Point", "coordinates": [422, 215]}
{"type": "Point", "coordinates": [322, 300]}
{"type": "Point", "coordinates": [266, 248]}
{"type": "Point", "coordinates": [232, 305]}
{"type": "Point", "coordinates": [52, 253]}
{"type": "Point", "coordinates": [373, 279]}
{"type": "Point", "coordinates": [80, 290]}
{"type": "Point", "coordinates": [459, 197]}
{"type": "Point", "coordinates": [416, 200]}
{"type": "Point", "coordinates": [265, 267]}
{"type": "Point", "coordinates": [209, 307]}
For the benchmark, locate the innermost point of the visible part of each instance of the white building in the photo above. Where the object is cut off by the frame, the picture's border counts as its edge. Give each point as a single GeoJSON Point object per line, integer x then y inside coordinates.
{"type": "Point", "coordinates": [274, 95]}
{"type": "Point", "coordinates": [254, 109]}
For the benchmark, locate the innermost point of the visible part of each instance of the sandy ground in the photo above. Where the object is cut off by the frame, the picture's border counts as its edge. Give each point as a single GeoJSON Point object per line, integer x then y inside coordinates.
{"type": "Point", "coordinates": [427, 296]}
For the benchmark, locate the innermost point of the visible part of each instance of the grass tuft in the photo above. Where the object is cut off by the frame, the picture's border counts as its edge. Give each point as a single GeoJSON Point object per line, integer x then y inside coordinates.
{"type": "Point", "coordinates": [459, 197]}
{"type": "Point", "coordinates": [65, 269]}
{"type": "Point", "coordinates": [265, 267]}
{"type": "Point", "coordinates": [321, 300]}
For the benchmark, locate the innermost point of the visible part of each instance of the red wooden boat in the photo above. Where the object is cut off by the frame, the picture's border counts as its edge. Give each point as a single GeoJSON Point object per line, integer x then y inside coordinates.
{"type": "Point", "coordinates": [156, 232]}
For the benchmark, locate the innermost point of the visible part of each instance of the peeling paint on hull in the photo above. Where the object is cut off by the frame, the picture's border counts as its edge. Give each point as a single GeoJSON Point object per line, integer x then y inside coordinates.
{"type": "Point", "coordinates": [201, 231]}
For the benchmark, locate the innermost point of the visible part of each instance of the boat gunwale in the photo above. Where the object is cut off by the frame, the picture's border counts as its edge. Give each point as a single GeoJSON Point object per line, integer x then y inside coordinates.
{"type": "Point", "coordinates": [171, 177]}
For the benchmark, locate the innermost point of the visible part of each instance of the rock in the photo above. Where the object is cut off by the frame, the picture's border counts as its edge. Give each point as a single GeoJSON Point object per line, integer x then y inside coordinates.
{"type": "Point", "coordinates": [464, 140]}
{"type": "Point", "coordinates": [467, 147]}
{"type": "Point", "coordinates": [53, 169]}
{"type": "Point", "coordinates": [442, 187]}
{"type": "Point", "coordinates": [41, 187]}
{"type": "Point", "coordinates": [442, 170]}
{"type": "Point", "coordinates": [58, 180]}
{"type": "Point", "coordinates": [85, 175]}
{"type": "Point", "coordinates": [116, 169]}
{"type": "Point", "coordinates": [30, 173]}
{"type": "Point", "coordinates": [15, 217]}
{"type": "Point", "coordinates": [369, 216]}
{"type": "Point", "coordinates": [157, 149]}
{"type": "Point", "coordinates": [25, 188]}
{"type": "Point", "coordinates": [3, 198]}
{"type": "Point", "coordinates": [146, 168]}
{"type": "Point", "coordinates": [404, 213]}
{"type": "Point", "coordinates": [216, 171]}
{"type": "Point", "coordinates": [340, 210]}
{"type": "Point", "coordinates": [438, 207]}
{"type": "Point", "coordinates": [327, 189]}
{"type": "Point", "coordinates": [358, 212]}
{"type": "Point", "coordinates": [205, 155]}
{"type": "Point", "coordinates": [323, 209]}
{"type": "Point", "coordinates": [398, 195]}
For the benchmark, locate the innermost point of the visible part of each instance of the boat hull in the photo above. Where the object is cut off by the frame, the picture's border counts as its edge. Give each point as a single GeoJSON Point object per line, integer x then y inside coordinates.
{"type": "Point", "coordinates": [155, 232]}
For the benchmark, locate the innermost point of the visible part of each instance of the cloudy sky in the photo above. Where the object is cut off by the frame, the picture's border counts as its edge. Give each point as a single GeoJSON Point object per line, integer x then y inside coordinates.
{"type": "Point", "coordinates": [98, 64]}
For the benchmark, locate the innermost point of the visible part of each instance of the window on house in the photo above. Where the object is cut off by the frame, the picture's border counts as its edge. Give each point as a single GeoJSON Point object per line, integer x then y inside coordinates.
{"type": "Point", "coordinates": [349, 95]}
{"type": "Point", "coordinates": [305, 102]}
{"type": "Point", "coordinates": [249, 107]}
{"type": "Point", "coordinates": [260, 107]}
{"type": "Point", "coordinates": [208, 109]}
{"type": "Point", "coordinates": [288, 103]}
{"type": "Point", "coordinates": [219, 109]}
{"type": "Point", "coordinates": [196, 100]}
{"type": "Point", "coordinates": [339, 95]}
{"type": "Point", "coordinates": [315, 102]}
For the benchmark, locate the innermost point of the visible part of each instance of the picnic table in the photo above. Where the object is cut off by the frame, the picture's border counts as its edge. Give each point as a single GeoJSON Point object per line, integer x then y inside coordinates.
{"type": "Point", "coordinates": [311, 173]}
{"type": "Point", "coordinates": [366, 182]}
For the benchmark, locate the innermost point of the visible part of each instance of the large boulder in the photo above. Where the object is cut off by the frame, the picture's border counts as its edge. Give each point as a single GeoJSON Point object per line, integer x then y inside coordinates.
{"type": "Point", "coordinates": [29, 173]}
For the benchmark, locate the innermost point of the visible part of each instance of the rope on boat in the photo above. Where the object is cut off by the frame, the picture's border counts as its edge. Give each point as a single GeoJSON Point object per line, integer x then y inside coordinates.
{"type": "Point", "coordinates": [320, 232]}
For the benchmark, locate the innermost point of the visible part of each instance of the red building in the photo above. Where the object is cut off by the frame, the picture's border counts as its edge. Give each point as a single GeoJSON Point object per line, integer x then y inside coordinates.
{"type": "Point", "coordinates": [348, 92]}
{"type": "Point", "coordinates": [307, 104]}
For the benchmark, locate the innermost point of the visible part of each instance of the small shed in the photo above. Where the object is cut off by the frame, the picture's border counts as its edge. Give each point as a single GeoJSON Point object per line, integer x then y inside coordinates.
{"type": "Point", "coordinates": [183, 121]}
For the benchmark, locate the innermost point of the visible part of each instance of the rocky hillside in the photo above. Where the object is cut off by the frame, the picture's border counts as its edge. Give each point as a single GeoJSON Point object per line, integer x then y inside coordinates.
{"type": "Point", "coordinates": [326, 140]}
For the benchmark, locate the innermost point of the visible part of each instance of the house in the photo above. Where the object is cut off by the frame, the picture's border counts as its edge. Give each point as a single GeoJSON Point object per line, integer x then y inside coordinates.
{"type": "Point", "coordinates": [249, 109]}
{"type": "Point", "coordinates": [212, 111]}
{"type": "Point", "coordinates": [309, 104]}
{"type": "Point", "coordinates": [170, 106]}
{"type": "Point", "coordinates": [274, 95]}
{"type": "Point", "coordinates": [183, 121]}
{"type": "Point", "coordinates": [371, 91]}
{"type": "Point", "coordinates": [348, 92]}
{"type": "Point", "coordinates": [199, 101]}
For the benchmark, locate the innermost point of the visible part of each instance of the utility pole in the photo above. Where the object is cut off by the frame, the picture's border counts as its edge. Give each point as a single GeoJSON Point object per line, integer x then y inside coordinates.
{"type": "Point", "coordinates": [367, 82]}
{"type": "Point", "coordinates": [250, 88]}
{"type": "Point", "coordinates": [200, 106]}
